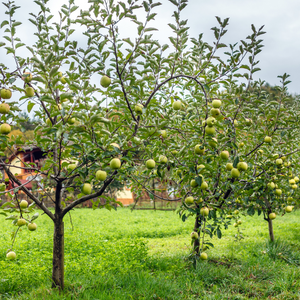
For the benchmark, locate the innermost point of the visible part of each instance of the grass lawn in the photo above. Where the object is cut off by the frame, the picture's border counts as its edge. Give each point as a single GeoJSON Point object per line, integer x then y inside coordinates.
{"type": "Point", "coordinates": [143, 255]}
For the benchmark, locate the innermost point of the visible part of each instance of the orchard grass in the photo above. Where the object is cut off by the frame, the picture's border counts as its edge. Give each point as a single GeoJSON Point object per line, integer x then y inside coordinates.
{"type": "Point", "coordinates": [144, 255]}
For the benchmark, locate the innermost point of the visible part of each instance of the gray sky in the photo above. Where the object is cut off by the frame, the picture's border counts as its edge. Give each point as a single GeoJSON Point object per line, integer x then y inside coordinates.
{"type": "Point", "coordinates": [280, 17]}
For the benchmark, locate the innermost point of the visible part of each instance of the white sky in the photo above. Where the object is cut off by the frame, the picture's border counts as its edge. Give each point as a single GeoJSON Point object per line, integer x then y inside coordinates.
{"type": "Point", "coordinates": [280, 17]}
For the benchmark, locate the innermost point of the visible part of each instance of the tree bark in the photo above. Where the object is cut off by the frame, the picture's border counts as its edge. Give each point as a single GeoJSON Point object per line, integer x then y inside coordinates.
{"type": "Point", "coordinates": [58, 255]}
{"type": "Point", "coordinates": [271, 232]}
{"type": "Point", "coordinates": [197, 227]}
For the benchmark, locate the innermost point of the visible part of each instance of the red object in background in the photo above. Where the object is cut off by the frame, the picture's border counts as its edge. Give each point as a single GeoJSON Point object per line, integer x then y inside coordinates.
{"type": "Point", "coordinates": [28, 185]}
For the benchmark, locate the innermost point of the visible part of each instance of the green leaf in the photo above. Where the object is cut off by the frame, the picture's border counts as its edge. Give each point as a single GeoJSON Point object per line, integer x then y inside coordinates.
{"type": "Point", "coordinates": [30, 106]}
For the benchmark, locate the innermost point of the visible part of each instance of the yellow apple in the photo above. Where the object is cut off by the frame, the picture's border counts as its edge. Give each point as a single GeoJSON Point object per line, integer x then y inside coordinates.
{"type": "Point", "coordinates": [4, 108]}
{"type": "Point", "coordinates": [28, 77]}
{"type": "Point", "coordinates": [163, 133]}
{"type": "Point", "coordinates": [278, 192]}
{"type": "Point", "coordinates": [189, 200]}
{"type": "Point", "coordinates": [115, 163]}
{"type": "Point", "coordinates": [268, 139]}
{"type": "Point", "coordinates": [87, 189]}
{"type": "Point", "coordinates": [204, 211]}
{"type": "Point", "coordinates": [5, 93]}
{"type": "Point", "coordinates": [194, 235]}
{"type": "Point", "coordinates": [11, 255]}
{"type": "Point", "coordinates": [32, 226]}
{"type": "Point", "coordinates": [23, 204]}
{"type": "Point", "coordinates": [101, 175]}
{"type": "Point", "coordinates": [138, 108]}
{"type": "Point", "coordinates": [272, 216]}
{"type": "Point", "coordinates": [203, 256]}
{"type": "Point", "coordinates": [21, 222]}
{"type": "Point", "coordinates": [5, 128]}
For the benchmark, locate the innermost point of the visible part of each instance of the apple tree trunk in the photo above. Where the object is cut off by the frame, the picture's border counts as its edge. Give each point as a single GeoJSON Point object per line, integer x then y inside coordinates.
{"type": "Point", "coordinates": [197, 228]}
{"type": "Point", "coordinates": [58, 255]}
{"type": "Point", "coordinates": [271, 232]}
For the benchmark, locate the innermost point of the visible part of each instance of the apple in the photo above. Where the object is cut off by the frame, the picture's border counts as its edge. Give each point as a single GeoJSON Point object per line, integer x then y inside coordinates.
{"type": "Point", "coordinates": [105, 81]}
{"type": "Point", "coordinates": [48, 122]}
{"type": "Point", "coordinates": [241, 144]}
{"type": "Point", "coordinates": [86, 189]}
{"type": "Point", "coordinates": [294, 186]}
{"type": "Point", "coordinates": [11, 255]}
{"type": "Point", "coordinates": [199, 150]}
{"type": "Point", "coordinates": [296, 179]}
{"type": "Point", "coordinates": [71, 167]}
{"type": "Point", "coordinates": [29, 91]}
{"type": "Point", "coordinates": [115, 145]}
{"type": "Point", "coordinates": [5, 93]}
{"type": "Point", "coordinates": [204, 185]}
{"type": "Point", "coordinates": [189, 200]}
{"type": "Point", "coordinates": [235, 225]}
{"type": "Point", "coordinates": [21, 222]}
{"type": "Point", "coordinates": [224, 154]}
{"type": "Point", "coordinates": [292, 181]}
{"type": "Point", "coordinates": [203, 256]}
{"type": "Point", "coordinates": [242, 166]}
{"type": "Point", "coordinates": [71, 121]}
{"type": "Point", "coordinates": [235, 173]}
{"type": "Point", "coordinates": [210, 130]}
{"type": "Point", "coordinates": [199, 167]}
{"type": "Point", "coordinates": [248, 122]}
{"type": "Point", "coordinates": [268, 139]}
{"type": "Point", "coordinates": [236, 212]}
{"type": "Point", "coordinates": [5, 128]}
{"type": "Point", "coordinates": [176, 105]}
{"type": "Point", "coordinates": [204, 211]}
{"type": "Point", "coordinates": [279, 161]}
{"type": "Point", "coordinates": [211, 121]}
{"type": "Point", "coordinates": [32, 226]}
{"type": "Point", "coordinates": [23, 204]}
{"type": "Point", "coordinates": [290, 199]}
{"type": "Point", "coordinates": [260, 151]}
{"type": "Point", "coordinates": [271, 185]}
{"type": "Point", "coordinates": [194, 235]}
{"type": "Point", "coordinates": [174, 152]}
{"type": "Point", "coordinates": [28, 77]}
{"type": "Point", "coordinates": [288, 209]}
{"type": "Point", "coordinates": [150, 164]}
{"type": "Point", "coordinates": [163, 133]}
{"type": "Point", "coordinates": [193, 183]}
{"type": "Point", "coordinates": [236, 123]}
{"type": "Point", "coordinates": [229, 166]}
{"type": "Point", "coordinates": [4, 108]}
{"type": "Point", "coordinates": [163, 159]}
{"type": "Point", "coordinates": [213, 142]}
{"type": "Point", "coordinates": [272, 216]}
{"type": "Point", "coordinates": [60, 74]}
{"type": "Point", "coordinates": [278, 192]}
{"type": "Point", "coordinates": [101, 175]}
{"type": "Point", "coordinates": [239, 222]}
{"type": "Point", "coordinates": [216, 103]}
{"type": "Point", "coordinates": [63, 80]}
{"type": "Point", "coordinates": [138, 108]}
{"type": "Point", "coordinates": [115, 163]}
{"type": "Point", "coordinates": [215, 112]}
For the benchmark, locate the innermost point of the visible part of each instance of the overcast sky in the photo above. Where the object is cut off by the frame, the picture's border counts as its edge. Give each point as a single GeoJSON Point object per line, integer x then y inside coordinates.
{"type": "Point", "coordinates": [280, 17]}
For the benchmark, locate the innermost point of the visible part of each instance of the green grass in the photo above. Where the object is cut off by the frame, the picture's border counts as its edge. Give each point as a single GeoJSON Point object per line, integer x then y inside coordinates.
{"type": "Point", "coordinates": [143, 255]}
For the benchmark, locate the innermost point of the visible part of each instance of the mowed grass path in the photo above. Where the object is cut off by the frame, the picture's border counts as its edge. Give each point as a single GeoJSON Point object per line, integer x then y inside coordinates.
{"type": "Point", "coordinates": [142, 255]}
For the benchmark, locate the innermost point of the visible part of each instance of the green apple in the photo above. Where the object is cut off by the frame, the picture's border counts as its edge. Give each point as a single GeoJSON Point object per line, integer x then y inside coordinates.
{"type": "Point", "coordinates": [105, 81]}
{"type": "Point", "coordinates": [71, 121]}
{"type": "Point", "coordinates": [236, 123]}
{"type": "Point", "coordinates": [204, 185]}
{"type": "Point", "coordinates": [189, 200]}
{"type": "Point", "coordinates": [211, 121]}
{"type": "Point", "coordinates": [279, 162]}
{"type": "Point", "coordinates": [21, 222]}
{"type": "Point", "coordinates": [278, 192]}
{"type": "Point", "coordinates": [63, 80]}
{"type": "Point", "coordinates": [235, 225]}
{"type": "Point", "coordinates": [150, 164]}
{"type": "Point", "coordinates": [29, 91]}
{"type": "Point", "coordinates": [224, 154]}
{"type": "Point", "coordinates": [194, 235]}
{"type": "Point", "coordinates": [241, 145]}
{"type": "Point", "coordinates": [87, 189]}
{"type": "Point", "coordinates": [115, 163]}
{"type": "Point", "coordinates": [271, 185]}
{"type": "Point", "coordinates": [229, 166]}
{"type": "Point", "coordinates": [242, 166]}
{"type": "Point", "coordinates": [239, 222]}
{"type": "Point", "coordinates": [28, 77]}
{"type": "Point", "coordinates": [11, 255]}
{"type": "Point", "coordinates": [292, 181]}
{"type": "Point", "coordinates": [176, 105]}
{"type": "Point", "coordinates": [294, 186]}
{"type": "Point", "coordinates": [199, 149]}
{"type": "Point", "coordinates": [215, 112]}
{"type": "Point", "coordinates": [138, 108]}
{"type": "Point", "coordinates": [296, 179]}
{"type": "Point", "coordinates": [272, 216]}
{"type": "Point", "coordinates": [216, 103]}
{"type": "Point", "coordinates": [210, 130]}
{"type": "Point", "coordinates": [203, 256]}
{"type": "Point", "coordinates": [2, 187]}
{"type": "Point", "coordinates": [235, 173]}
{"type": "Point", "coordinates": [101, 175]}
{"type": "Point", "coordinates": [268, 139]}
{"type": "Point", "coordinates": [260, 151]}
{"type": "Point", "coordinates": [4, 108]}
{"type": "Point", "coordinates": [213, 142]}
{"type": "Point", "coordinates": [163, 133]}
{"type": "Point", "coordinates": [71, 167]}
{"type": "Point", "coordinates": [5, 128]}
{"type": "Point", "coordinates": [193, 183]}
{"type": "Point", "coordinates": [248, 122]}
{"type": "Point", "coordinates": [48, 122]}
{"type": "Point", "coordinates": [204, 211]}
{"type": "Point", "coordinates": [174, 152]}
{"type": "Point", "coordinates": [23, 204]}
{"type": "Point", "coordinates": [289, 209]}
{"type": "Point", "coordinates": [236, 212]}
{"type": "Point", "coordinates": [5, 93]}
{"type": "Point", "coordinates": [163, 159]}
{"type": "Point", "coordinates": [32, 226]}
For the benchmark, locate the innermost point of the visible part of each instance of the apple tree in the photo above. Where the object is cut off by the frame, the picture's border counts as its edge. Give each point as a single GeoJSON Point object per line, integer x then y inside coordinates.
{"type": "Point", "coordinates": [118, 110]}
